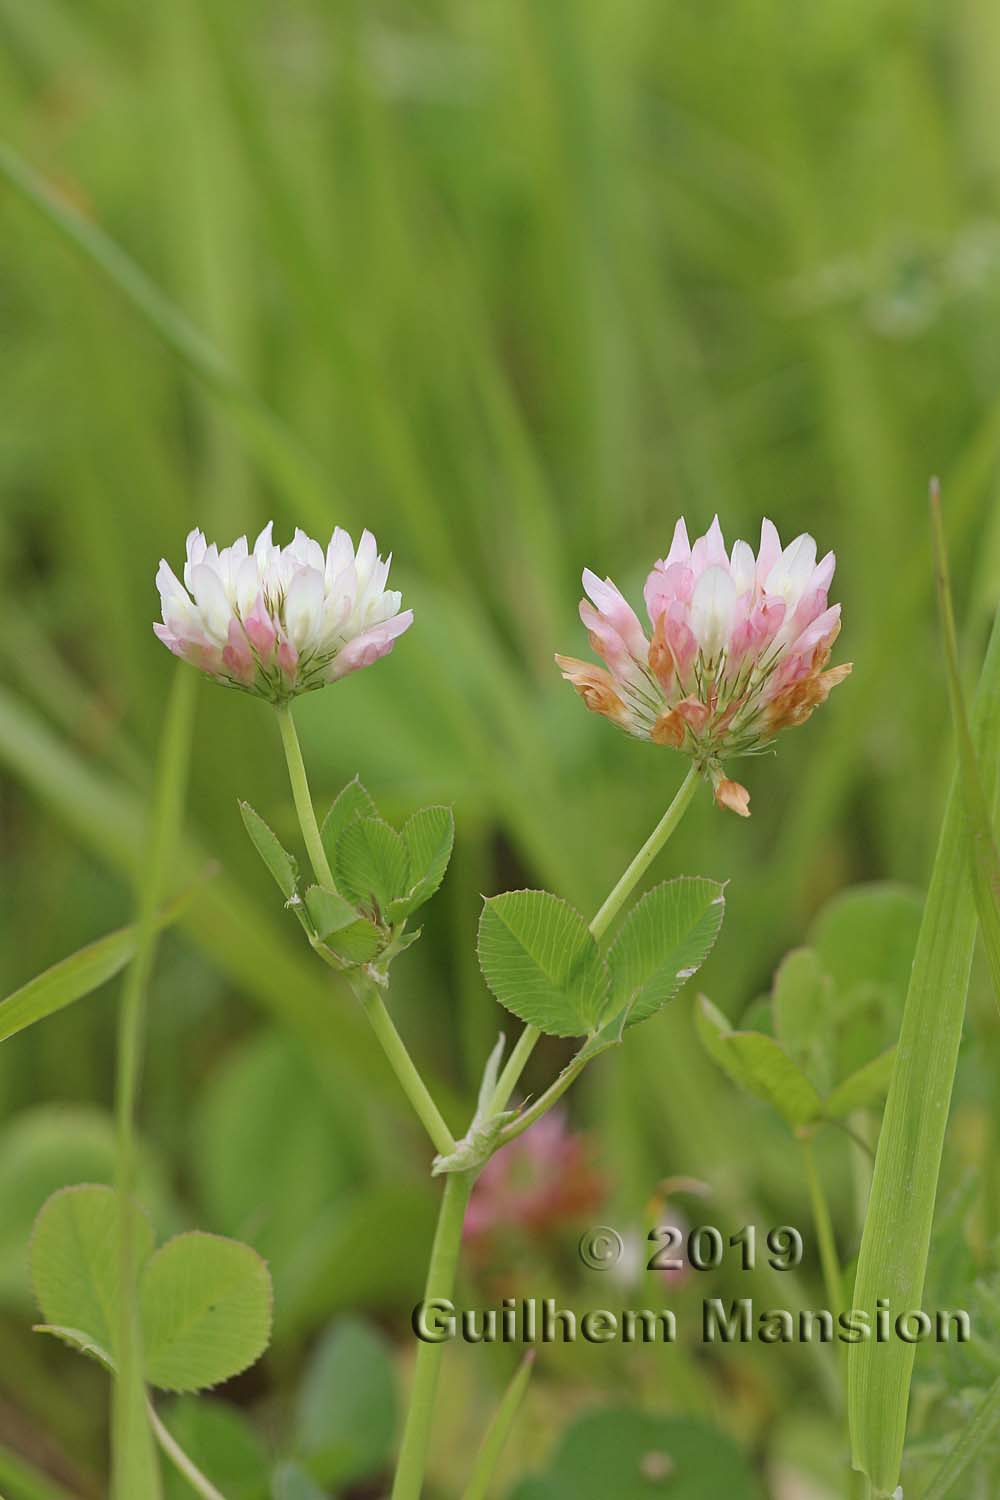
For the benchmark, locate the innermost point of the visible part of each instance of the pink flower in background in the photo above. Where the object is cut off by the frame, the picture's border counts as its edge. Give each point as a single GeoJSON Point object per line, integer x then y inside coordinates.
{"type": "Point", "coordinates": [278, 621]}
{"type": "Point", "coordinates": [737, 650]}
{"type": "Point", "coordinates": [541, 1180]}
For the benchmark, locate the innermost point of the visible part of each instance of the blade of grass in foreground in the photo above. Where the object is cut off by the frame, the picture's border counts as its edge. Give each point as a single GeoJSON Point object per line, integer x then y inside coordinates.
{"type": "Point", "coordinates": [896, 1238]}
{"type": "Point", "coordinates": [277, 448]}
{"type": "Point", "coordinates": [972, 1442]}
{"type": "Point", "coordinates": [984, 856]}
{"type": "Point", "coordinates": [134, 1467]}
{"type": "Point", "coordinates": [77, 976]}
{"type": "Point", "coordinates": [498, 1431]}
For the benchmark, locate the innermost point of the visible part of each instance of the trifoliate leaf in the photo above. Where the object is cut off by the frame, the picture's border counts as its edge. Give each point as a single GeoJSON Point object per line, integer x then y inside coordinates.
{"type": "Point", "coordinates": [205, 1304]}
{"type": "Point", "coordinates": [665, 938]}
{"type": "Point", "coordinates": [541, 962]}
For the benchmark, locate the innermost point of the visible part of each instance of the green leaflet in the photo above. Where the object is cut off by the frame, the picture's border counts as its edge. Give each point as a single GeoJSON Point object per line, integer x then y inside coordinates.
{"type": "Point", "coordinates": [896, 1238]}
{"type": "Point", "coordinates": [663, 941]}
{"type": "Point", "coordinates": [541, 962]}
{"type": "Point", "coordinates": [204, 1301]}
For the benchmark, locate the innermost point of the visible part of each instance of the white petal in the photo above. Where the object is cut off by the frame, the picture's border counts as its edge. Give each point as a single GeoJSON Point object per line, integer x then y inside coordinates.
{"type": "Point", "coordinates": [304, 608]}
{"type": "Point", "coordinates": [713, 604]}
{"type": "Point", "coordinates": [743, 567]}
{"type": "Point", "coordinates": [211, 599]}
{"type": "Point", "coordinates": [791, 573]}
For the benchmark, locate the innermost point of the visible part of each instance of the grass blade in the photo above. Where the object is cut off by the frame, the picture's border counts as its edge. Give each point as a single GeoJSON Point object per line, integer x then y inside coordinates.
{"type": "Point", "coordinates": [275, 446]}
{"type": "Point", "coordinates": [75, 977]}
{"type": "Point", "coordinates": [983, 852]}
{"type": "Point", "coordinates": [973, 1439]}
{"type": "Point", "coordinates": [896, 1238]}
{"type": "Point", "coordinates": [488, 1457]}
{"type": "Point", "coordinates": [134, 1467]}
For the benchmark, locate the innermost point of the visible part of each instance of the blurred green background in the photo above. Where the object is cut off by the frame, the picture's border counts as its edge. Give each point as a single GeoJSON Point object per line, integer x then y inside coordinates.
{"type": "Point", "coordinates": [513, 284]}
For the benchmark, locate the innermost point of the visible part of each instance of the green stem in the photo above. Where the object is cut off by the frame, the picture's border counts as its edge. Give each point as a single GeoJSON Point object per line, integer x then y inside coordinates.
{"type": "Point", "coordinates": [134, 1468]}
{"type": "Point", "coordinates": [409, 1481]}
{"type": "Point", "coordinates": [650, 849]}
{"type": "Point", "coordinates": [403, 1066]}
{"type": "Point", "coordinates": [598, 927]}
{"type": "Point", "coordinates": [303, 801]}
{"type": "Point", "coordinates": [507, 1082]}
{"type": "Point", "coordinates": [824, 1228]}
{"type": "Point", "coordinates": [185, 1466]}
{"type": "Point", "coordinates": [447, 1240]}
{"type": "Point", "coordinates": [365, 989]}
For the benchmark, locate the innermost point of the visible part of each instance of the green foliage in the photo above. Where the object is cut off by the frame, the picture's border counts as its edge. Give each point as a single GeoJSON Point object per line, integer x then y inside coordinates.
{"type": "Point", "coordinates": [290, 1215]}
{"type": "Point", "coordinates": [429, 837]}
{"type": "Point", "coordinates": [353, 801]}
{"type": "Point", "coordinates": [205, 1304]}
{"type": "Point", "coordinates": [282, 865]}
{"type": "Point", "coordinates": [371, 864]}
{"type": "Point", "coordinates": [663, 942]}
{"type": "Point", "coordinates": [758, 1064]}
{"type": "Point", "coordinates": [345, 1416]}
{"type": "Point", "coordinates": [74, 1266]}
{"type": "Point", "coordinates": [633, 1455]}
{"type": "Point", "coordinates": [817, 1049]}
{"type": "Point", "coordinates": [204, 1301]}
{"type": "Point", "coordinates": [541, 962]}
{"type": "Point", "coordinates": [896, 1238]}
{"type": "Point", "coordinates": [47, 1148]}
{"type": "Point", "coordinates": [382, 876]}
{"type": "Point", "coordinates": [222, 1441]}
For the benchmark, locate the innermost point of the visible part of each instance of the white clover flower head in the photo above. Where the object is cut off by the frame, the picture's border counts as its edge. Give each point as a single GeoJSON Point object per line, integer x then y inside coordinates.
{"type": "Point", "coordinates": [737, 652]}
{"type": "Point", "coordinates": [279, 621]}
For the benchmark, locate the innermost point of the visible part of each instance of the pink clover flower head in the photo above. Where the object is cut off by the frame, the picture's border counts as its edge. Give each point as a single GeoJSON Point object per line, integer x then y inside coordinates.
{"type": "Point", "coordinates": [278, 621]}
{"type": "Point", "coordinates": [737, 649]}
{"type": "Point", "coordinates": [542, 1179]}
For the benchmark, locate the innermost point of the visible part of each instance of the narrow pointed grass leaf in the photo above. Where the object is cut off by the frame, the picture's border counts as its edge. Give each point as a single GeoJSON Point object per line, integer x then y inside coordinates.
{"type": "Point", "coordinates": [276, 447]}
{"type": "Point", "coordinates": [488, 1457]}
{"type": "Point", "coordinates": [758, 1064]}
{"type": "Point", "coordinates": [896, 1238]}
{"type": "Point", "coordinates": [541, 962]}
{"type": "Point", "coordinates": [983, 852]}
{"type": "Point", "coordinates": [981, 1431]}
{"type": "Point", "coordinates": [75, 977]}
{"type": "Point", "coordinates": [663, 941]}
{"type": "Point", "coordinates": [205, 1304]}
